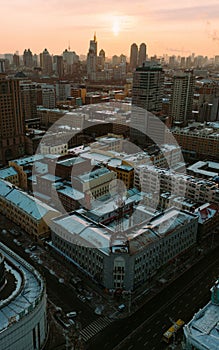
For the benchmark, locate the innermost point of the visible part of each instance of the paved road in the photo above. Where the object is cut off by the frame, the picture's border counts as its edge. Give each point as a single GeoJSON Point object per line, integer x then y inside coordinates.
{"type": "Point", "coordinates": [181, 299]}
{"type": "Point", "coordinates": [191, 291]}
{"type": "Point", "coordinates": [60, 294]}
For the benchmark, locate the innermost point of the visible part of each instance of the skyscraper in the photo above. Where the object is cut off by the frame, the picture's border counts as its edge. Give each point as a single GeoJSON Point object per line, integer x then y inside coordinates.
{"type": "Point", "coordinates": [28, 91]}
{"type": "Point", "coordinates": [46, 62]}
{"type": "Point", "coordinates": [11, 120]}
{"type": "Point", "coordinates": [92, 59]}
{"type": "Point", "coordinates": [2, 66]}
{"type": "Point", "coordinates": [182, 97]}
{"type": "Point", "coordinates": [58, 65]}
{"type": "Point", "coordinates": [142, 54]}
{"type": "Point", "coordinates": [28, 58]}
{"type": "Point", "coordinates": [147, 94]}
{"type": "Point", "coordinates": [16, 60]}
{"type": "Point", "coordinates": [148, 83]}
{"type": "Point", "coordinates": [133, 57]}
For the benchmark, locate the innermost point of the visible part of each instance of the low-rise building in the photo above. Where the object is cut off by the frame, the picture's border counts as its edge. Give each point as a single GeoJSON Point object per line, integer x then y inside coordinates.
{"type": "Point", "coordinates": [201, 333]}
{"type": "Point", "coordinates": [153, 179]}
{"type": "Point", "coordinates": [198, 141]}
{"type": "Point", "coordinates": [208, 220]}
{"type": "Point", "coordinates": [23, 316]}
{"type": "Point", "coordinates": [26, 211]}
{"type": "Point", "coordinates": [95, 183]}
{"type": "Point", "coordinates": [23, 166]}
{"type": "Point", "coordinates": [9, 174]}
{"type": "Point", "coordinates": [205, 170]}
{"type": "Point", "coordinates": [125, 173]}
{"type": "Point", "coordinates": [118, 258]}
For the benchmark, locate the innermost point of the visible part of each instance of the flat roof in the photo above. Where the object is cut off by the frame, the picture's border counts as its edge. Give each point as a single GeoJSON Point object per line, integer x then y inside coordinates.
{"type": "Point", "coordinates": [203, 330]}
{"type": "Point", "coordinates": [93, 174]}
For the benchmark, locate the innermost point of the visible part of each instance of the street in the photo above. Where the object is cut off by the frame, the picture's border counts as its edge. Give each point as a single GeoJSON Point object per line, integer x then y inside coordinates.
{"type": "Point", "coordinates": [180, 299]}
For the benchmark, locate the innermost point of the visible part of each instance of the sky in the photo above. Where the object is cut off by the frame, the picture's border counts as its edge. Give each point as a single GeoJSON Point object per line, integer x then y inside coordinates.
{"type": "Point", "coordinates": [166, 26]}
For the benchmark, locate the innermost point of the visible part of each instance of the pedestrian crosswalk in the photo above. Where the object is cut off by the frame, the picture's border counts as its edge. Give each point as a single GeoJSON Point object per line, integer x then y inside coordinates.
{"type": "Point", "coordinates": [95, 327]}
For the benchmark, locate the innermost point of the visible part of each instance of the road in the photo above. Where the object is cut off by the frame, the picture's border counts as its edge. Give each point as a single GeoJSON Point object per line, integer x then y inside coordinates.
{"type": "Point", "coordinates": [144, 329]}
{"type": "Point", "coordinates": [181, 299]}
{"type": "Point", "coordinates": [60, 294]}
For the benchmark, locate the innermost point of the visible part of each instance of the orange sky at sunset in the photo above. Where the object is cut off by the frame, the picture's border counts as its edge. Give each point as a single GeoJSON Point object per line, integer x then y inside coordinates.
{"type": "Point", "coordinates": [165, 26]}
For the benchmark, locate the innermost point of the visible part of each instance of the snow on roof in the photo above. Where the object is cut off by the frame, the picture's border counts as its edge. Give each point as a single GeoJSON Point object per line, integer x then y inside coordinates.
{"type": "Point", "coordinates": [50, 177]}
{"type": "Point", "coordinates": [28, 160]}
{"type": "Point", "coordinates": [203, 328]}
{"type": "Point", "coordinates": [93, 174]}
{"type": "Point", "coordinates": [7, 172]}
{"type": "Point", "coordinates": [30, 205]}
{"type": "Point", "coordinates": [205, 212]}
{"type": "Point", "coordinates": [41, 168]}
{"type": "Point", "coordinates": [70, 161]}
{"type": "Point", "coordinates": [71, 192]}
{"type": "Point", "coordinates": [205, 168]}
{"type": "Point", "coordinates": [96, 156]}
{"type": "Point", "coordinates": [83, 231]}
{"type": "Point", "coordinates": [29, 288]}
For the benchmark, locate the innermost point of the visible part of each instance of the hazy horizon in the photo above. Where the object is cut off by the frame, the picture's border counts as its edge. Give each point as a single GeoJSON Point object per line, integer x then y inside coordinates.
{"type": "Point", "coordinates": [166, 27]}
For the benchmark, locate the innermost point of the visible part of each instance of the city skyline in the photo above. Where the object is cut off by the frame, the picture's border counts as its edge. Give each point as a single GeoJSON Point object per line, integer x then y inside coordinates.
{"type": "Point", "coordinates": [166, 27]}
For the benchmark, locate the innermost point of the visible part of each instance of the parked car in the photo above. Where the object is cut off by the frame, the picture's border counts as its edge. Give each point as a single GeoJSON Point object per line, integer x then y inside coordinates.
{"type": "Point", "coordinates": [71, 314]}
{"type": "Point", "coordinates": [81, 297]}
{"type": "Point", "coordinates": [121, 307]}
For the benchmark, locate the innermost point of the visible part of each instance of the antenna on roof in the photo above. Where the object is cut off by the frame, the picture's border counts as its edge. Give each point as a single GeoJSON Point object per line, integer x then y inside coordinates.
{"type": "Point", "coordinates": [69, 48]}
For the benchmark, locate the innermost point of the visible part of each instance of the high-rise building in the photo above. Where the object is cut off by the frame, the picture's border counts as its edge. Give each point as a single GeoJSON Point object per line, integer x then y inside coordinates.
{"type": "Point", "coordinates": [142, 54]}
{"type": "Point", "coordinates": [48, 96]}
{"type": "Point", "coordinates": [28, 58]}
{"type": "Point", "coordinates": [46, 62]}
{"type": "Point", "coordinates": [11, 120]}
{"type": "Point", "coordinates": [16, 60]}
{"type": "Point", "coordinates": [28, 99]}
{"type": "Point", "coordinates": [2, 66]}
{"type": "Point", "coordinates": [182, 97]}
{"type": "Point", "coordinates": [58, 65]}
{"type": "Point", "coordinates": [133, 57]}
{"type": "Point", "coordinates": [92, 59]}
{"type": "Point", "coordinates": [63, 90]}
{"type": "Point", "coordinates": [101, 59]}
{"type": "Point", "coordinates": [147, 93]}
{"type": "Point", "coordinates": [148, 84]}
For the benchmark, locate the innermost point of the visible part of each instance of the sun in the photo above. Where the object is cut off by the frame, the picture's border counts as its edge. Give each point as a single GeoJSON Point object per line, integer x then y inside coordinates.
{"type": "Point", "coordinates": [116, 27]}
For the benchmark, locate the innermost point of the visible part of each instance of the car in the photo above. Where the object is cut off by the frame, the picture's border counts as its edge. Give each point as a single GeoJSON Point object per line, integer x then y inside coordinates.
{"type": "Point", "coordinates": [81, 297]}
{"type": "Point", "coordinates": [71, 322]}
{"type": "Point", "coordinates": [71, 314]}
{"type": "Point", "coordinates": [14, 232]}
{"type": "Point", "coordinates": [33, 247]}
{"type": "Point", "coordinates": [121, 307]}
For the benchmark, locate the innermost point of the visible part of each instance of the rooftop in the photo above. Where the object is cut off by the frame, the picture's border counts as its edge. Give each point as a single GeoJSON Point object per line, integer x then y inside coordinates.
{"type": "Point", "coordinates": [5, 173]}
{"type": "Point", "coordinates": [28, 291]}
{"type": "Point", "coordinates": [28, 204]}
{"type": "Point", "coordinates": [203, 329]}
{"type": "Point", "coordinates": [28, 160]}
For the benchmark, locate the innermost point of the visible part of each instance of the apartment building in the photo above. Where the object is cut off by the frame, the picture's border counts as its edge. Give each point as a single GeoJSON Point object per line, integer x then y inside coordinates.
{"type": "Point", "coordinates": [198, 141]}
{"type": "Point", "coordinates": [26, 211]}
{"type": "Point", "coordinates": [123, 259]}
{"type": "Point", "coordinates": [152, 179]}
